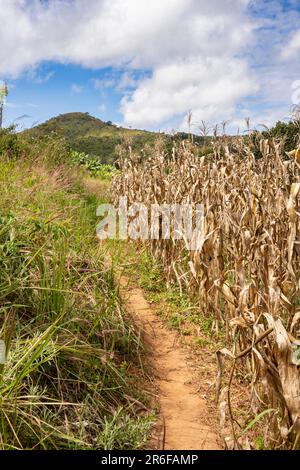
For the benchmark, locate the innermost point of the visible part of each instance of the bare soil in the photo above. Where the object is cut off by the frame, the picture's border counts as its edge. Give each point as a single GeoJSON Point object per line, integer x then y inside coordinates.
{"type": "Point", "coordinates": [185, 419]}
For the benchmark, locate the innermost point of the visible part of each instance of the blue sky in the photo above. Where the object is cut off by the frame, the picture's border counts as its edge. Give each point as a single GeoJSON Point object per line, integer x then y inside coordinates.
{"type": "Point", "coordinates": [57, 89]}
{"type": "Point", "coordinates": [145, 64]}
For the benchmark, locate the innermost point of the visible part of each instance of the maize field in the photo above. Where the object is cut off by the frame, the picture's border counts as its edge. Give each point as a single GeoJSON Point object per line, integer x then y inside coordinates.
{"type": "Point", "coordinates": [245, 275]}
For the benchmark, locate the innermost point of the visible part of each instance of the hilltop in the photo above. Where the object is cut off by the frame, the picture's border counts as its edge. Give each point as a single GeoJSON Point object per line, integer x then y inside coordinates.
{"type": "Point", "coordinates": [85, 133]}
{"type": "Point", "coordinates": [88, 134]}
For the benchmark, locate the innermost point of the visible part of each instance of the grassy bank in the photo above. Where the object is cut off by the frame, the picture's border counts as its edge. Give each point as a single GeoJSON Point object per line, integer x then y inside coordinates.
{"type": "Point", "coordinates": [72, 359]}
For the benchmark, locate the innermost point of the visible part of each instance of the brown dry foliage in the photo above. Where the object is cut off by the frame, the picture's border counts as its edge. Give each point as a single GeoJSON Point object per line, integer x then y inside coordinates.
{"type": "Point", "coordinates": [247, 272]}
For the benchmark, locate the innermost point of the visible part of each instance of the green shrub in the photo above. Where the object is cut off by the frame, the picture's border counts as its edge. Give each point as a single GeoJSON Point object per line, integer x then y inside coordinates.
{"type": "Point", "coordinates": [11, 145]}
{"type": "Point", "coordinates": [93, 165]}
{"type": "Point", "coordinates": [289, 132]}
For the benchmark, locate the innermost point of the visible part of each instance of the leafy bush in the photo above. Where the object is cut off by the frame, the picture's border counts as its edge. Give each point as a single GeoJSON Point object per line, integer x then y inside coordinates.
{"type": "Point", "coordinates": [290, 132]}
{"type": "Point", "coordinates": [93, 165]}
{"type": "Point", "coordinates": [10, 143]}
{"type": "Point", "coordinates": [287, 133]}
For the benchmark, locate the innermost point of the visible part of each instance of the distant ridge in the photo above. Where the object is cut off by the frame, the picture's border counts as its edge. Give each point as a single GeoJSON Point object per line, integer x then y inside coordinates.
{"type": "Point", "coordinates": [86, 133]}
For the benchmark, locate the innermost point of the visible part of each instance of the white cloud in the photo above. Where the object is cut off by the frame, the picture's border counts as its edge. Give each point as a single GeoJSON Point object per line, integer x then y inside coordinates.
{"type": "Point", "coordinates": [208, 86]}
{"type": "Point", "coordinates": [257, 120]}
{"type": "Point", "coordinates": [293, 47]}
{"type": "Point", "coordinates": [189, 45]}
{"type": "Point", "coordinates": [128, 81]}
{"type": "Point", "coordinates": [120, 80]}
{"type": "Point", "coordinates": [102, 33]}
{"type": "Point", "coordinates": [76, 89]}
{"type": "Point", "coordinates": [189, 54]}
{"type": "Point", "coordinates": [107, 32]}
{"type": "Point", "coordinates": [38, 78]}
{"type": "Point", "coordinates": [101, 83]}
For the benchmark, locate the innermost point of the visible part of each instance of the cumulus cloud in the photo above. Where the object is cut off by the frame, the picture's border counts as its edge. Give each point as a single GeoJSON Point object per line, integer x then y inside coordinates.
{"type": "Point", "coordinates": [102, 33]}
{"type": "Point", "coordinates": [209, 86]}
{"type": "Point", "coordinates": [188, 45]}
{"type": "Point", "coordinates": [175, 54]}
{"type": "Point", "coordinates": [293, 47]}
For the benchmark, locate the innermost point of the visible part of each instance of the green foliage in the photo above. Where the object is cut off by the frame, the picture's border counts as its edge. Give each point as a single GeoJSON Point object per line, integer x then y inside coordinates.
{"type": "Point", "coordinates": [66, 337]}
{"type": "Point", "coordinates": [259, 443]}
{"type": "Point", "coordinates": [10, 145]}
{"type": "Point", "coordinates": [288, 133]}
{"type": "Point", "coordinates": [51, 148]}
{"type": "Point", "coordinates": [93, 165]}
{"type": "Point", "coordinates": [121, 432]}
{"type": "Point", "coordinates": [87, 134]}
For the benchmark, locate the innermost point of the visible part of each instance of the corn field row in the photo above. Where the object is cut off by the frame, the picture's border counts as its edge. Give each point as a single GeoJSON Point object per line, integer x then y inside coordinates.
{"type": "Point", "coordinates": [246, 274]}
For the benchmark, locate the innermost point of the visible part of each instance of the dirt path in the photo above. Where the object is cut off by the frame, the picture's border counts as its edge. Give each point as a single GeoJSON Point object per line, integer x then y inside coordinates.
{"type": "Point", "coordinates": [184, 415]}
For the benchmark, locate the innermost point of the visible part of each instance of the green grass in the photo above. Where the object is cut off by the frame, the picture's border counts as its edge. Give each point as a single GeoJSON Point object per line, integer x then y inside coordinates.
{"type": "Point", "coordinates": [72, 374]}
{"type": "Point", "coordinates": [128, 433]}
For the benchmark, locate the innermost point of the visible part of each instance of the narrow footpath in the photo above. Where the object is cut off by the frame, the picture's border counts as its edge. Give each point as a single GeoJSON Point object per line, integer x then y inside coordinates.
{"type": "Point", "coordinates": [183, 422]}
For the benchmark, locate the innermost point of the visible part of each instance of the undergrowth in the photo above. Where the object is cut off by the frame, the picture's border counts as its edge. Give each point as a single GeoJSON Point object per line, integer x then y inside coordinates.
{"type": "Point", "coordinates": [72, 359]}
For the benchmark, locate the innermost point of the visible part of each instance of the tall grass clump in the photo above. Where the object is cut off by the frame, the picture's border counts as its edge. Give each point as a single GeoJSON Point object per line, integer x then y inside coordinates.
{"type": "Point", "coordinates": [66, 382]}
{"type": "Point", "coordinates": [245, 275]}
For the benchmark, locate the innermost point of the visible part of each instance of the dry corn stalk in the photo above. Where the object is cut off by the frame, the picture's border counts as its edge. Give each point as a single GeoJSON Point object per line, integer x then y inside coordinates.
{"type": "Point", "coordinates": [247, 271]}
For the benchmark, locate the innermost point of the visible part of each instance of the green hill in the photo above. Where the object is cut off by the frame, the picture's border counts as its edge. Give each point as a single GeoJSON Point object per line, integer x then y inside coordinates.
{"type": "Point", "coordinates": [90, 135]}
{"type": "Point", "coordinates": [87, 134]}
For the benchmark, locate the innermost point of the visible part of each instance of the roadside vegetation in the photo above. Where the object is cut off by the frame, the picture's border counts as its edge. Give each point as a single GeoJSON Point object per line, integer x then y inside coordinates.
{"type": "Point", "coordinates": [73, 371]}
{"type": "Point", "coordinates": [72, 376]}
